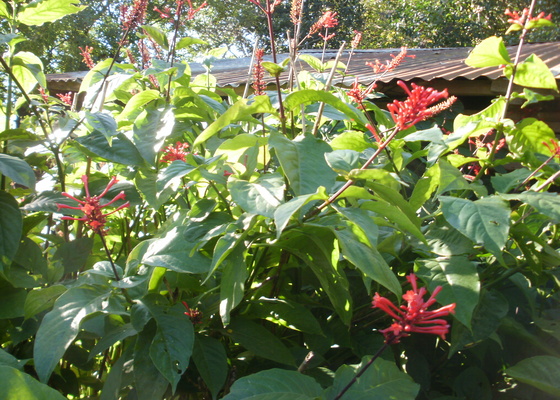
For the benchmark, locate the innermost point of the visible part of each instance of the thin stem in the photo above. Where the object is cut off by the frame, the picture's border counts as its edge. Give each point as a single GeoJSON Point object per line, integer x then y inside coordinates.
{"type": "Point", "coordinates": [327, 87]}
{"type": "Point", "coordinates": [349, 183]}
{"type": "Point", "coordinates": [110, 257]}
{"type": "Point", "coordinates": [548, 181]}
{"type": "Point", "coordinates": [361, 371]}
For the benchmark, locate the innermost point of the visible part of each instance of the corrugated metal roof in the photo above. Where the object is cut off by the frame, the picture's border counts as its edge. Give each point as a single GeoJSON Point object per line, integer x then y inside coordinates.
{"type": "Point", "coordinates": [427, 65]}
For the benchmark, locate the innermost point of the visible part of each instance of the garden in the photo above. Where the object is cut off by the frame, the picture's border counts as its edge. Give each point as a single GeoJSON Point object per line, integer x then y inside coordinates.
{"type": "Point", "coordinates": [163, 237]}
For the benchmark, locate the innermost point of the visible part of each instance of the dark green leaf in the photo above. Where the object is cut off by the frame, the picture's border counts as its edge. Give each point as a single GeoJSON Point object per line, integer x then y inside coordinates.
{"type": "Point", "coordinates": [149, 382]}
{"type": "Point", "coordinates": [284, 212]}
{"type": "Point", "coordinates": [232, 285]}
{"type": "Point", "coordinates": [103, 123]}
{"type": "Point", "coordinates": [61, 325]}
{"type": "Point", "coordinates": [303, 162]}
{"type": "Point", "coordinates": [210, 359]}
{"type": "Point", "coordinates": [74, 254]}
{"type": "Point", "coordinates": [172, 345]}
{"type": "Point", "coordinates": [460, 284]}
{"type": "Point", "coordinates": [540, 372]}
{"type": "Point", "coordinates": [259, 341]}
{"type": "Point", "coordinates": [381, 381]}
{"type": "Point", "coordinates": [262, 196]}
{"type": "Point", "coordinates": [485, 221]}
{"type": "Point", "coordinates": [174, 252]}
{"type": "Point", "coordinates": [17, 170]}
{"type": "Point", "coordinates": [42, 299]}
{"type": "Point", "coordinates": [11, 303]}
{"type": "Point", "coordinates": [544, 202]}
{"type": "Point", "coordinates": [288, 313]}
{"type": "Point", "coordinates": [11, 224]}
{"type": "Point", "coordinates": [150, 129]}
{"type": "Point", "coordinates": [276, 384]}
{"type": "Point", "coordinates": [121, 150]}
{"type": "Point", "coordinates": [16, 385]}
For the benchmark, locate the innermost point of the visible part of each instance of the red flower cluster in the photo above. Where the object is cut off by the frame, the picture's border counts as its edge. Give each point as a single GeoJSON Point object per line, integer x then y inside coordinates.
{"type": "Point", "coordinates": [174, 153]}
{"type": "Point", "coordinates": [86, 56]}
{"type": "Point", "coordinates": [356, 40]}
{"type": "Point", "coordinates": [91, 207]}
{"type": "Point", "coordinates": [519, 21]}
{"type": "Point", "coordinates": [358, 93]}
{"type": "Point", "coordinates": [416, 107]}
{"type": "Point", "coordinates": [134, 16]}
{"type": "Point", "coordinates": [379, 67]}
{"type": "Point", "coordinates": [554, 148]}
{"type": "Point", "coordinates": [194, 314]}
{"type": "Point", "coordinates": [327, 20]}
{"type": "Point", "coordinates": [66, 98]}
{"type": "Point", "coordinates": [414, 317]}
{"type": "Point", "coordinates": [259, 85]}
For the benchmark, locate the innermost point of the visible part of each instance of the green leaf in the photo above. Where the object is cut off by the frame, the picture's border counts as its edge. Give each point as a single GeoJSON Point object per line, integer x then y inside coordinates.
{"type": "Point", "coordinates": [60, 326]}
{"type": "Point", "coordinates": [544, 202]}
{"type": "Point", "coordinates": [113, 336]}
{"type": "Point", "coordinates": [18, 134]}
{"type": "Point", "coordinates": [150, 129]}
{"type": "Point", "coordinates": [28, 70]}
{"type": "Point", "coordinates": [11, 225]}
{"type": "Point", "coordinates": [531, 97]}
{"type": "Point", "coordinates": [136, 104]}
{"type": "Point", "coordinates": [211, 361]}
{"type": "Point", "coordinates": [313, 62]}
{"type": "Point", "coordinates": [17, 170]}
{"type": "Point", "coordinates": [308, 96]}
{"type": "Point", "coordinates": [284, 212]}
{"type": "Point", "coordinates": [540, 372]}
{"type": "Point", "coordinates": [232, 285]}
{"type": "Point", "coordinates": [74, 254]}
{"type": "Point", "coordinates": [41, 299]}
{"type": "Point", "coordinates": [303, 162]}
{"type": "Point", "coordinates": [261, 197]}
{"type": "Point", "coordinates": [459, 280]}
{"type": "Point", "coordinates": [485, 221]}
{"type": "Point", "coordinates": [368, 260]}
{"type": "Point", "coordinates": [242, 110]}
{"type": "Point", "coordinates": [533, 72]}
{"type": "Point", "coordinates": [39, 12]}
{"type": "Point", "coordinates": [272, 68]}
{"type": "Point", "coordinates": [351, 140]}
{"type": "Point", "coordinates": [276, 384]}
{"type": "Point", "coordinates": [103, 123]}
{"type": "Point", "coordinates": [503, 183]}
{"type": "Point", "coordinates": [173, 251]}
{"type": "Point", "coordinates": [529, 137]}
{"type": "Point", "coordinates": [157, 35]}
{"type": "Point", "coordinates": [487, 317]}
{"type": "Point", "coordinates": [382, 380]}
{"type": "Point", "coordinates": [150, 186]}
{"type": "Point", "coordinates": [491, 52]}
{"type": "Point", "coordinates": [149, 382]}
{"type": "Point", "coordinates": [16, 385]}
{"type": "Point", "coordinates": [288, 313]}
{"type": "Point", "coordinates": [172, 175]}
{"type": "Point", "coordinates": [121, 151]}
{"type": "Point", "coordinates": [11, 303]}
{"type": "Point", "coordinates": [187, 42]}
{"type": "Point", "coordinates": [173, 342]}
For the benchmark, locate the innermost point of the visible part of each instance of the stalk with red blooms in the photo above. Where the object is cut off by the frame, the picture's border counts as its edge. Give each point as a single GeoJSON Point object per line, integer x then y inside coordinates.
{"type": "Point", "coordinates": [412, 317]}
{"type": "Point", "coordinates": [94, 217]}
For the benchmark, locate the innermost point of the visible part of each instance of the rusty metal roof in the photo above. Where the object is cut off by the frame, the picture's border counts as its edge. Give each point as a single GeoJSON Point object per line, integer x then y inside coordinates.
{"type": "Point", "coordinates": [427, 65]}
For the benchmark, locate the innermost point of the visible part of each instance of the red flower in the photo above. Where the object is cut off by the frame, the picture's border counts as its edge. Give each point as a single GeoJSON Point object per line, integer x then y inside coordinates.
{"type": "Point", "coordinates": [194, 314]}
{"type": "Point", "coordinates": [66, 98]}
{"type": "Point", "coordinates": [414, 317]}
{"type": "Point", "coordinates": [174, 153]}
{"type": "Point", "coordinates": [135, 15]}
{"type": "Point", "coordinates": [327, 20]}
{"type": "Point", "coordinates": [259, 85]}
{"type": "Point", "coordinates": [191, 12]}
{"type": "Point", "coordinates": [554, 148]}
{"type": "Point", "coordinates": [86, 56]}
{"type": "Point", "coordinates": [359, 94]}
{"type": "Point", "coordinates": [379, 67]}
{"type": "Point", "coordinates": [357, 39]}
{"type": "Point", "coordinates": [415, 108]}
{"type": "Point", "coordinates": [93, 216]}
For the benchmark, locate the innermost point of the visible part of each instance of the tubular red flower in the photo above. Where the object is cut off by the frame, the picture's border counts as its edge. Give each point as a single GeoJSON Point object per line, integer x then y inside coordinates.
{"type": "Point", "coordinates": [91, 207]}
{"type": "Point", "coordinates": [327, 20]}
{"type": "Point", "coordinates": [66, 98]}
{"type": "Point", "coordinates": [177, 152]}
{"type": "Point", "coordinates": [379, 68]}
{"type": "Point", "coordinates": [86, 56]}
{"type": "Point", "coordinates": [413, 316]}
{"type": "Point", "coordinates": [415, 108]}
{"type": "Point", "coordinates": [259, 85]}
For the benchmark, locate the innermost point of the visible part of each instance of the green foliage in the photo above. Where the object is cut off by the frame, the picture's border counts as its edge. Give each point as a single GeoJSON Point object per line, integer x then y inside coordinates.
{"type": "Point", "coordinates": [239, 254]}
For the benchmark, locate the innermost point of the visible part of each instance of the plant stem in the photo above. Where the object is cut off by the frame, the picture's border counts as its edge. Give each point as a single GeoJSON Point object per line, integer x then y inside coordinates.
{"type": "Point", "coordinates": [349, 183]}
{"type": "Point", "coordinates": [362, 371]}
{"type": "Point", "coordinates": [109, 256]}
